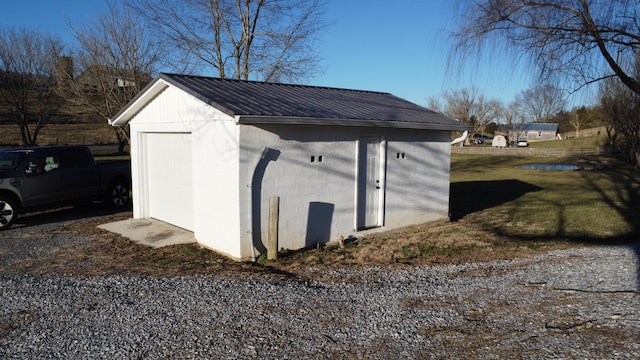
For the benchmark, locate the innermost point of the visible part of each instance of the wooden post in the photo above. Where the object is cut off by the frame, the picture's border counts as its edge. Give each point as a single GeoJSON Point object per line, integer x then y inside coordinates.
{"type": "Point", "coordinates": [274, 214]}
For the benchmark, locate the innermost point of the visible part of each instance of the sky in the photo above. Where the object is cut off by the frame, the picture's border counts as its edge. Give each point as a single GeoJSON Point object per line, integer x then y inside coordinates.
{"type": "Point", "coordinates": [399, 46]}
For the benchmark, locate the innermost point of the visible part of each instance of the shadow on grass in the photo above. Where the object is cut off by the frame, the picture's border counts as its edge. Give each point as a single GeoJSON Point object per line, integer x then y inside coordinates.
{"type": "Point", "coordinates": [617, 186]}
{"type": "Point", "coordinates": [473, 196]}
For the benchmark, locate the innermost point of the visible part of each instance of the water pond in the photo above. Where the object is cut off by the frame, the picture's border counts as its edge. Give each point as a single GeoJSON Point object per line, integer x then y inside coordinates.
{"type": "Point", "coordinates": [549, 167]}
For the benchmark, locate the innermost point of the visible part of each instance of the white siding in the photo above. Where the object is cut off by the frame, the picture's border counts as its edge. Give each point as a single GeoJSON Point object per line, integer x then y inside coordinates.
{"type": "Point", "coordinates": [215, 166]}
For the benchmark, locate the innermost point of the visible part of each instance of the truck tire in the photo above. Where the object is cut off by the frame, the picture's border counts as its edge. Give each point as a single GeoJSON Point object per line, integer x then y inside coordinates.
{"type": "Point", "coordinates": [8, 212]}
{"type": "Point", "coordinates": [119, 194]}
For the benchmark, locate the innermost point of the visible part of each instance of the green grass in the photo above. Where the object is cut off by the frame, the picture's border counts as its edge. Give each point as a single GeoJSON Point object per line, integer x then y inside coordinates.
{"type": "Point", "coordinates": [573, 143]}
{"type": "Point", "coordinates": [600, 203]}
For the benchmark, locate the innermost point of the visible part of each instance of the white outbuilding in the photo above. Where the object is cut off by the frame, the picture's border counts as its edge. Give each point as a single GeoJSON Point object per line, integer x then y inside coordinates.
{"type": "Point", "coordinates": [207, 154]}
{"type": "Point", "coordinates": [499, 141]}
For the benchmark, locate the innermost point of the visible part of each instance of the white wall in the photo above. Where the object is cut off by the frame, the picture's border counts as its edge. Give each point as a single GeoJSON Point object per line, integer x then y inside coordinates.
{"type": "Point", "coordinates": [215, 165]}
{"type": "Point", "coordinates": [417, 186]}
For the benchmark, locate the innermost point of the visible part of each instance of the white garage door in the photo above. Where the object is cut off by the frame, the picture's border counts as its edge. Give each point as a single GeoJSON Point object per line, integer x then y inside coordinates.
{"type": "Point", "coordinates": [170, 178]}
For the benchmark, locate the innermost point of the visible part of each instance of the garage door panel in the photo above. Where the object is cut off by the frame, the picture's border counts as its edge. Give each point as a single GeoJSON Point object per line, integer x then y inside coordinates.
{"type": "Point", "coordinates": [169, 180]}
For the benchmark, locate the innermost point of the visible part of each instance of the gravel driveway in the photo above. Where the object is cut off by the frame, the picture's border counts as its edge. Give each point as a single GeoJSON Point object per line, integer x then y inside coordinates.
{"type": "Point", "coordinates": [581, 303]}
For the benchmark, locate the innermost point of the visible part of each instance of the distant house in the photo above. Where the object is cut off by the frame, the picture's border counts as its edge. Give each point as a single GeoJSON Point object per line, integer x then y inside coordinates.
{"type": "Point", "coordinates": [207, 155]}
{"type": "Point", "coordinates": [532, 132]}
{"type": "Point", "coordinates": [99, 75]}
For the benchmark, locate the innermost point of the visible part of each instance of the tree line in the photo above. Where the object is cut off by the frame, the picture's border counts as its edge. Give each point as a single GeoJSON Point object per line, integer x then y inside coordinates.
{"type": "Point", "coordinates": [566, 44]}
{"type": "Point", "coordinates": [570, 44]}
{"type": "Point", "coordinates": [125, 46]}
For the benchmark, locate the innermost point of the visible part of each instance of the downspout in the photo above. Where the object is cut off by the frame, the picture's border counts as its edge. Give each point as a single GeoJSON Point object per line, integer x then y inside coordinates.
{"type": "Point", "coordinates": [257, 161]}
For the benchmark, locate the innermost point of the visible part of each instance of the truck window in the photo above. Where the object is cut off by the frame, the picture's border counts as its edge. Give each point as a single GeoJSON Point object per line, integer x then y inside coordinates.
{"type": "Point", "coordinates": [74, 158]}
{"type": "Point", "coordinates": [11, 159]}
{"type": "Point", "coordinates": [42, 164]}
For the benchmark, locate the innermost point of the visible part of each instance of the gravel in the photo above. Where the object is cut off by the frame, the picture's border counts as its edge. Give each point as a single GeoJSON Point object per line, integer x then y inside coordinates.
{"type": "Point", "coordinates": [570, 304]}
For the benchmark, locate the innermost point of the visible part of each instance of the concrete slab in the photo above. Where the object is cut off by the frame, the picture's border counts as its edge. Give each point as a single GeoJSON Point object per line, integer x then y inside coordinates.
{"type": "Point", "coordinates": [150, 232]}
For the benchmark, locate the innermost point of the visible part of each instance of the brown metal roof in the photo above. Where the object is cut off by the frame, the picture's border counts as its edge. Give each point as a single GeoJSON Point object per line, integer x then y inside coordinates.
{"type": "Point", "coordinates": [253, 102]}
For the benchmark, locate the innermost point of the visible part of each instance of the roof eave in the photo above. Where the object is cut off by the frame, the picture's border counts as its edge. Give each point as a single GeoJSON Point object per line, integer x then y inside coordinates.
{"type": "Point", "coordinates": [263, 120]}
{"type": "Point", "coordinates": [136, 104]}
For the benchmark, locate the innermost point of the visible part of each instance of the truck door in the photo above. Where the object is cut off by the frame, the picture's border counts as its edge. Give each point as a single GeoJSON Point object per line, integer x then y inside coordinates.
{"type": "Point", "coordinates": [42, 183]}
{"type": "Point", "coordinates": [80, 174]}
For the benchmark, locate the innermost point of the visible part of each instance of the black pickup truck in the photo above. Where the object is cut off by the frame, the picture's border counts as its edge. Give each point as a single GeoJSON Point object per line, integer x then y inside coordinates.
{"type": "Point", "coordinates": [38, 177]}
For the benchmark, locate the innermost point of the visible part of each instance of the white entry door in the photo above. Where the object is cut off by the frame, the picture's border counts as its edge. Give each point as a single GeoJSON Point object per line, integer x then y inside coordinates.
{"type": "Point", "coordinates": [370, 187]}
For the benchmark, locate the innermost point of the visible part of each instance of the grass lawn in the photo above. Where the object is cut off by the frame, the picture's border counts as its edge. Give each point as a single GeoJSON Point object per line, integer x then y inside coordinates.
{"type": "Point", "coordinates": [599, 203]}
{"type": "Point", "coordinates": [573, 143]}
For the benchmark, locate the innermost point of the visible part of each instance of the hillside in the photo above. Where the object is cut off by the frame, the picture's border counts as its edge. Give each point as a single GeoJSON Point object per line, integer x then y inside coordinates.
{"type": "Point", "coordinates": [82, 133]}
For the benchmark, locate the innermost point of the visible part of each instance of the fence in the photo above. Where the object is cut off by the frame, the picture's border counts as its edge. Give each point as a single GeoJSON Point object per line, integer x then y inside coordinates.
{"type": "Point", "coordinates": [526, 151]}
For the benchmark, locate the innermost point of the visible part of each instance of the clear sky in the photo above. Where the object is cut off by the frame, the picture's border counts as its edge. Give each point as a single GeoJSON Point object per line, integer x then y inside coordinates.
{"type": "Point", "coordinates": [398, 46]}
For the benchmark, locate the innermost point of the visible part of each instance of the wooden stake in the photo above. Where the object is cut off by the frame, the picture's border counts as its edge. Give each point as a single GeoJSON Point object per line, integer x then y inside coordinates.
{"type": "Point", "coordinates": [274, 214]}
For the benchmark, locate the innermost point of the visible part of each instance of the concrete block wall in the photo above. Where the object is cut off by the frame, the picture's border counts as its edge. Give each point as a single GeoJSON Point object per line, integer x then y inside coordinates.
{"type": "Point", "coordinates": [417, 178]}
{"type": "Point", "coordinates": [318, 197]}
{"type": "Point", "coordinates": [313, 173]}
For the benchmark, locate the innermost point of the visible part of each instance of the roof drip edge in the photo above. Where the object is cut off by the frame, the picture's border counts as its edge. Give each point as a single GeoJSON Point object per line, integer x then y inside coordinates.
{"type": "Point", "coordinates": [263, 120]}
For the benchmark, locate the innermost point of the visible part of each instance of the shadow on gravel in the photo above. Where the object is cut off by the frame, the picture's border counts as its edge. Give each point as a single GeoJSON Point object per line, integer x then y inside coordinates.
{"type": "Point", "coordinates": [473, 196]}
{"type": "Point", "coordinates": [68, 213]}
{"type": "Point", "coordinates": [625, 199]}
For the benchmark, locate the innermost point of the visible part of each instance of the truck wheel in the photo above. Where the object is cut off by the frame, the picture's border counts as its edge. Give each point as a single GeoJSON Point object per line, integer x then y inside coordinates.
{"type": "Point", "coordinates": [7, 213]}
{"type": "Point", "coordinates": [119, 194]}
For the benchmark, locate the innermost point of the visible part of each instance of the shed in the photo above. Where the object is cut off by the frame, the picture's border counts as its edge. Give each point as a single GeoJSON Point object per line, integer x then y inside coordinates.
{"type": "Point", "coordinates": [499, 141]}
{"type": "Point", "coordinates": [207, 154]}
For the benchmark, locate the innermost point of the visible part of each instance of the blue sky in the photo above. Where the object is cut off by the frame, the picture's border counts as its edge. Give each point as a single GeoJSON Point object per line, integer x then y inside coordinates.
{"type": "Point", "coordinates": [398, 46]}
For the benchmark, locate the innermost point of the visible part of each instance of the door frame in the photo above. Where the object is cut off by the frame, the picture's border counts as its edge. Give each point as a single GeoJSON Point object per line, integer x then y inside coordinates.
{"type": "Point", "coordinates": [382, 163]}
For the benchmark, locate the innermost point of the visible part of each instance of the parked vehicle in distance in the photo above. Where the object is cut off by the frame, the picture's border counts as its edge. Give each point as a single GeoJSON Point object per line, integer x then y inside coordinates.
{"type": "Point", "coordinates": [39, 177]}
{"type": "Point", "coordinates": [523, 143]}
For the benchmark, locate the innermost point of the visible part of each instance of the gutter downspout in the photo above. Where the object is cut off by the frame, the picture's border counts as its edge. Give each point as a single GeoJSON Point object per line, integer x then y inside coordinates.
{"type": "Point", "coordinates": [257, 161]}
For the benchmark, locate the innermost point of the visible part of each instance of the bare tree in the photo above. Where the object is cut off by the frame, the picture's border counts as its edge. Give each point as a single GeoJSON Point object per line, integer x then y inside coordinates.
{"type": "Point", "coordinates": [434, 103]}
{"type": "Point", "coordinates": [470, 106]}
{"type": "Point", "coordinates": [582, 40]}
{"type": "Point", "coordinates": [117, 57]}
{"type": "Point", "coordinates": [541, 103]}
{"type": "Point", "coordinates": [28, 61]}
{"type": "Point", "coordinates": [512, 114]}
{"type": "Point", "coordinates": [621, 108]}
{"type": "Point", "coordinates": [270, 40]}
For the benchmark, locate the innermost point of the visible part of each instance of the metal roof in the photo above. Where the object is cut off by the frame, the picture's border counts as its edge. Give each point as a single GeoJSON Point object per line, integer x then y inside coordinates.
{"type": "Point", "coordinates": [535, 127]}
{"type": "Point", "coordinates": [253, 102]}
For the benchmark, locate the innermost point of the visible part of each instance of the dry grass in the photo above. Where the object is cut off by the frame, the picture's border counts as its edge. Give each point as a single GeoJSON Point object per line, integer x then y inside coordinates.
{"type": "Point", "coordinates": [81, 133]}
{"type": "Point", "coordinates": [437, 243]}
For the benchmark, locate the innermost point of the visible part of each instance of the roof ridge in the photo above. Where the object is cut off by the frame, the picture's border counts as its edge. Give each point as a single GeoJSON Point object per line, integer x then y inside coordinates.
{"type": "Point", "coordinates": [272, 83]}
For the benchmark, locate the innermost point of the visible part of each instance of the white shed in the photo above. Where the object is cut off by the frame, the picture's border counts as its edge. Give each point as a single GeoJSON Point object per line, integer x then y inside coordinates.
{"type": "Point", "coordinates": [207, 154]}
{"type": "Point", "coordinates": [499, 141]}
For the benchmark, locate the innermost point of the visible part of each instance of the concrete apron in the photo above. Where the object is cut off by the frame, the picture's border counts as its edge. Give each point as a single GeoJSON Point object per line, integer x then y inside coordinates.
{"type": "Point", "coordinates": [150, 232]}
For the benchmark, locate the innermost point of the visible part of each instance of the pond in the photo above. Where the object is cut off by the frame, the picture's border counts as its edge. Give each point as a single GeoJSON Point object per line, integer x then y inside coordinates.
{"type": "Point", "coordinates": [549, 167]}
